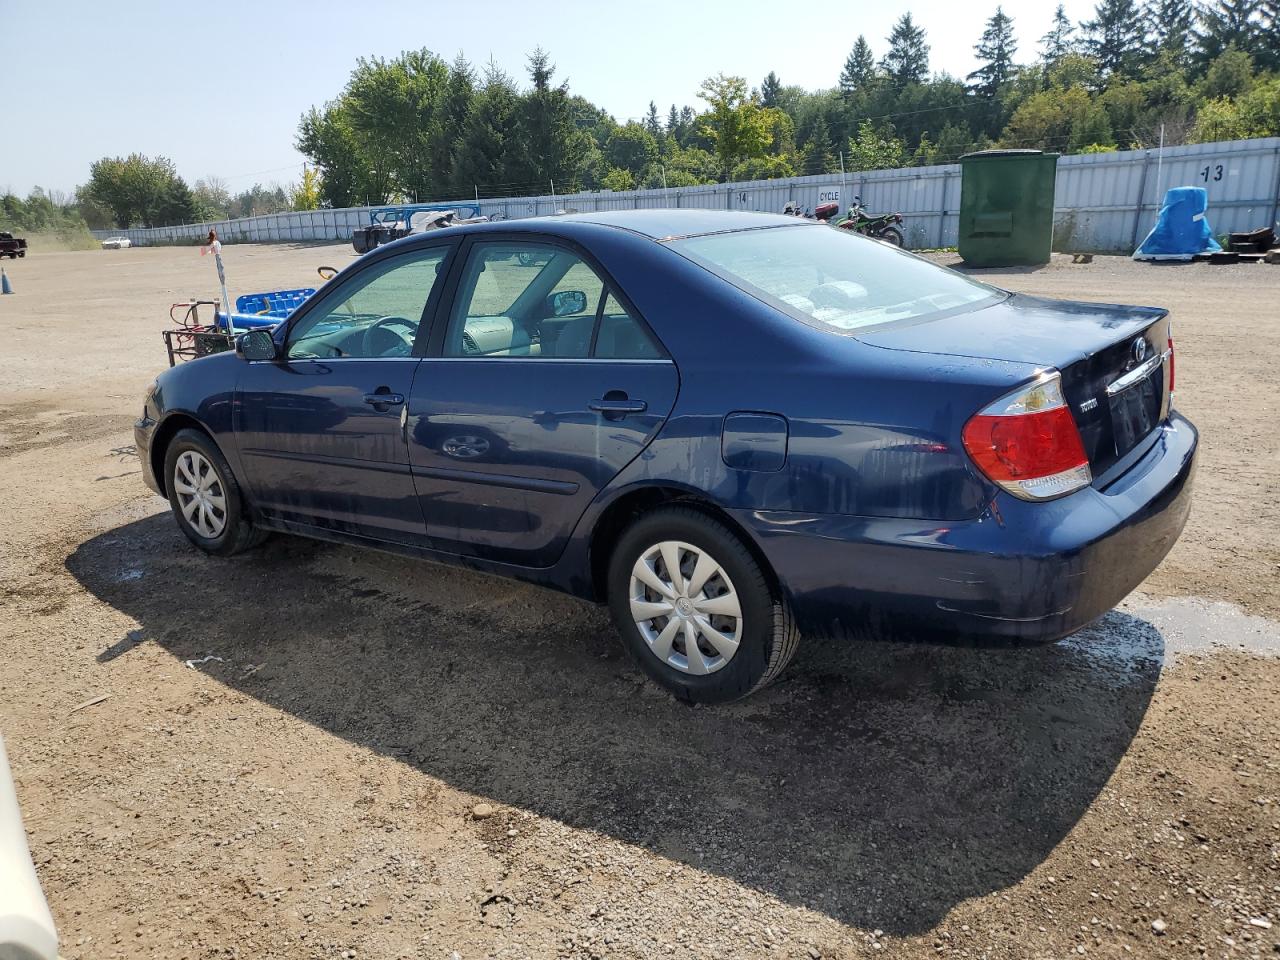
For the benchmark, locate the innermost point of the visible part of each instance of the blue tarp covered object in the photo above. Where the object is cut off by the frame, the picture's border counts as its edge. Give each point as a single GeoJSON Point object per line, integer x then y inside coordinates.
{"type": "Point", "coordinates": [1182, 231]}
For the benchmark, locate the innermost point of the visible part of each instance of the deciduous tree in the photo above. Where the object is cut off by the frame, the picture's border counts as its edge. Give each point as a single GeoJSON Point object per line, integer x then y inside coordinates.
{"type": "Point", "coordinates": [735, 124]}
{"type": "Point", "coordinates": [139, 190]}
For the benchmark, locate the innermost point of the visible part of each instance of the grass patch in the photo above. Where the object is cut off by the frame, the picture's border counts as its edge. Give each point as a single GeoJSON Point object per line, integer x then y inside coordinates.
{"type": "Point", "coordinates": [65, 238]}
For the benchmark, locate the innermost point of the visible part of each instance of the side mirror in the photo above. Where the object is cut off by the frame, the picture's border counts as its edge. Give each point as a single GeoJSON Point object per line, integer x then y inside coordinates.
{"type": "Point", "coordinates": [566, 303]}
{"type": "Point", "coordinates": [256, 345]}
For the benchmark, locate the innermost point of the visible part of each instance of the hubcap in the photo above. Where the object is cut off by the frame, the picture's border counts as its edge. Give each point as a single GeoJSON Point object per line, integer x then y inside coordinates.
{"type": "Point", "coordinates": [685, 607]}
{"type": "Point", "coordinates": [201, 497]}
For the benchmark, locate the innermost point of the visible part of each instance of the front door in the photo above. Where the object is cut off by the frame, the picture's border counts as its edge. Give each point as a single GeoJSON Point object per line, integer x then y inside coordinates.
{"type": "Point", "coordinates": [543, 387]}
{"type": "Point", "coordinates": [321, 430]}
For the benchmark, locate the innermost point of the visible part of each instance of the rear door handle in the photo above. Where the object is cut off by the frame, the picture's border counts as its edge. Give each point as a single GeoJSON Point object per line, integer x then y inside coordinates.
{"type": "Point", "coordinates": [384, 399]}
{"type": "Point", "coordinates": [618, 407]}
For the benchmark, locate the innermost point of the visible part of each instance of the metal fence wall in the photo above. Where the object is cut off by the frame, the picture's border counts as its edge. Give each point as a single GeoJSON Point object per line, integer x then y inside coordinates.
{"type": "Point", "coordinates": [1105, 201]}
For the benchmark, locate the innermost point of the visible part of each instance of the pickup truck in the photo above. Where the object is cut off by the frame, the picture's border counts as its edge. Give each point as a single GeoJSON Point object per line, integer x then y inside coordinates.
{"type": "Point", "coordinates": [11, 246]}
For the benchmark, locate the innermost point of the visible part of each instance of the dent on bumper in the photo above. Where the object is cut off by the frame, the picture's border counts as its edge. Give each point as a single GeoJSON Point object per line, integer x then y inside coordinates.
{"type": "Point", "coordinates": [1030, 571]}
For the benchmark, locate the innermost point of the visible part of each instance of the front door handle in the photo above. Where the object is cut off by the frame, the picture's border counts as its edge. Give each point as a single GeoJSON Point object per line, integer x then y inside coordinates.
{"type": "Point", "coordinates": [382, 400]}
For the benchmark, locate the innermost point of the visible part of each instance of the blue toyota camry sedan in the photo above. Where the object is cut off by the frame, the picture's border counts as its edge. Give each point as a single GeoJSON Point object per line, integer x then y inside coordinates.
{"type": "Point", "coordinates": [734, 429]}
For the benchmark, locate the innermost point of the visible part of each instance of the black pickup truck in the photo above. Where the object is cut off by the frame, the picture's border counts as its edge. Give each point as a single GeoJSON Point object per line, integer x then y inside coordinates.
{"type": "Point", "coordinates": [11, 246]}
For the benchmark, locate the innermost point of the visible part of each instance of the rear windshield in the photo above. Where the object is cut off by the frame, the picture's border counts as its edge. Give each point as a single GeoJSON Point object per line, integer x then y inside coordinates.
{"type": "Point", "coordinates": [833, 279]}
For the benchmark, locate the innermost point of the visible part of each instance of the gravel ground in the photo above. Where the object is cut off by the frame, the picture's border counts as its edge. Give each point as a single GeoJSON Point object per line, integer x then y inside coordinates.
{"type": "Point", "coordinates": [386, 758]}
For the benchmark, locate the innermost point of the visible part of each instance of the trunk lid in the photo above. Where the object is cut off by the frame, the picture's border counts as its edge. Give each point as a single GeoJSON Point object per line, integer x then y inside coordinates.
{"type": "Point", "coordinates": [1118, 390]}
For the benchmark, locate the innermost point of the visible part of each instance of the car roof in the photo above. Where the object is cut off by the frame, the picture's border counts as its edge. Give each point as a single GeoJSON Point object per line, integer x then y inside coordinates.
{"type": "Point", "coordinates": [650, 225]}
{"type": "Point", "coordinates": [671, 223]}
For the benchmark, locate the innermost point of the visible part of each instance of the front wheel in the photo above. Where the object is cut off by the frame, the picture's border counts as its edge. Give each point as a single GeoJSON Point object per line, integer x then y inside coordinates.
{"type": "Point", "coordinates": [891, 235]}
{"type": "Point", "coordinates": [695, 609]}
{"type": "Point", "coordinates": [205, 497]}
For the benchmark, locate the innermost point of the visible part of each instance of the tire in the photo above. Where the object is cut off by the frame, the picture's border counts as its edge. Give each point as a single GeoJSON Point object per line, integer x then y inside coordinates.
{"type": "Point", "coordinates": [221, 527]}
{"type": "Point", "coordinates": [764, 628]}
{"type": "Point", "coordinates": [892, 235]}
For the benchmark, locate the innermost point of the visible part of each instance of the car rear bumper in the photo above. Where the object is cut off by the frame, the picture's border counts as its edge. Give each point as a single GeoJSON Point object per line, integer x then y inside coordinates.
{"type": "Point", "coordinates": [143, 431]}
{"type": "Point", "coordinates": [1023, 571]}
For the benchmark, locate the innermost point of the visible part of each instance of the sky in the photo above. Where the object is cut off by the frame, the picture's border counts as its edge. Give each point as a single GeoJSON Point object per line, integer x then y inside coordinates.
{"type": "Point", "coordinates": [218, 86]}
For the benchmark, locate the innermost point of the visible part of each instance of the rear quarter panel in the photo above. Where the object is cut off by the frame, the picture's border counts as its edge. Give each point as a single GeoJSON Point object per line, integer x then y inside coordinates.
{"type": "Point", "coordinates": [871, 431]}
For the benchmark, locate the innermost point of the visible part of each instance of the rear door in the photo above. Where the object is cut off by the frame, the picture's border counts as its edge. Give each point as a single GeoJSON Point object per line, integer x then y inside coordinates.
{"type": "Point", "coordinates": [541, 387]}
{"type": "Point", "coordinates": [321, 429]}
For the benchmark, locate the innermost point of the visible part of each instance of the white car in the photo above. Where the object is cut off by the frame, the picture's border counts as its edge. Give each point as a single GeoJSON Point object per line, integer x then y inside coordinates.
{"type": "Point", "coordinates": [116, 243]}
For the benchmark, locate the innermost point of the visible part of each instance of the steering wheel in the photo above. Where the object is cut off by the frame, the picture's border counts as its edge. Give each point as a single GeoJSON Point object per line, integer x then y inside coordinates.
{"type": "Point", "coordinates": [394, 343]}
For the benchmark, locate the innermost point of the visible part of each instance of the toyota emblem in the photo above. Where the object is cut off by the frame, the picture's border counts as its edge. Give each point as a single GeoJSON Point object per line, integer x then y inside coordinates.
{"type": "Point", "coordinates": [1139, 350]}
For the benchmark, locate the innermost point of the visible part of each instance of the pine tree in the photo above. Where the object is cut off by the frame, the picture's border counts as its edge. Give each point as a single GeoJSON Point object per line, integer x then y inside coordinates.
{"type": "Point", "coordinates": [551, 147]}
{"type": "Point", "coordinates": [487, 135]}
{"type": "Point", "coordinates": [1170, 24]}
{"type": "Point", "coordinates": [1058, 42]}
{"type": "Point", "coordinates": [1115, 37]}
{"type": "Point", "coordinates": [818, 154]}
{"type": "Point", "coordinates": [770, 90]}
{"type": "Point", "coordinates": [995, 52]}
{"type": "Point", "coordinates": [651, 122]}
{"type": "Point", "coordinates": [458, 95]}
{"type": "Point", "coordinates": [1230, 23]}
{"type": "Point", "coordinates": [541, 70]}
{"type": "Point", "coordinates": [859, 68]}
{"type": "Point", "coordinates": [673, 121]}
{"type": "Point", "coordinates": [908, 58]}
{"type": "Point", "coordinates": [688, 125]}
{"type": "Point", "coordinates": [1269, 46]}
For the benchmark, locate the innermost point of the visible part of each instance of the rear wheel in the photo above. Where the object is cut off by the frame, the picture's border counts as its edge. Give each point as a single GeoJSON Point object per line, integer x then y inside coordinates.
{"type": "Point", "coordinates": [695, 609]}
{"type": "Point", "coordinates": [892, 235]}
{"type": "Point", "coordinates": [205, 497]}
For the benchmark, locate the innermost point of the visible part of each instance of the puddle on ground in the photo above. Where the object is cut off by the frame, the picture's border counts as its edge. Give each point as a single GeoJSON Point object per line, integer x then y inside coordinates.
{"type": "Point", "coordinates": [1123, 639]}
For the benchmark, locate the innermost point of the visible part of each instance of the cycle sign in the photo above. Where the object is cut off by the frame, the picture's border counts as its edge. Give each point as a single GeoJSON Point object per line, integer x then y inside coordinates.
{"type": "Point", "coordinates": [828, 195]}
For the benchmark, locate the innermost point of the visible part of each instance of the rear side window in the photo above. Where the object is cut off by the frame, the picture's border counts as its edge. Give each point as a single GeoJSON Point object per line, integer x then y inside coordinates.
{"type": "Point", "coordinates": [832, 279]}
{"type": "Point", "coordinates": [536, 301]}
{"type": "Point", "coordinates": [621, 336]}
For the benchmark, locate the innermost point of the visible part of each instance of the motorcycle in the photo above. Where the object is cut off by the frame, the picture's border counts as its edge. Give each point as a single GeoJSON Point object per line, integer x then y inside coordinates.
{"type": "Point", "coordinates": [881, 226]}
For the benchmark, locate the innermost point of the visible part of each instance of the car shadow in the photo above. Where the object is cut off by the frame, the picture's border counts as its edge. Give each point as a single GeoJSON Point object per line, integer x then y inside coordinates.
{"type": "Point", "coordinates": [880, 784]}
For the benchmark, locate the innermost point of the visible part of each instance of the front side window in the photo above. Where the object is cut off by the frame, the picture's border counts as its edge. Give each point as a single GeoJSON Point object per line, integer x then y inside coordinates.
{"type": "Point", "coordinates": [535, 300]}
{"type": "Point", "coordinates": [377, 315]}
{"type": "Point", "coordinates": [832, 279]}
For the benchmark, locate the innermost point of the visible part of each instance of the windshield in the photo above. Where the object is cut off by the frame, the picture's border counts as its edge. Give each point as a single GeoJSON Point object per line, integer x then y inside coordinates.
{"type": "Point", "coordinates": [833, 279]}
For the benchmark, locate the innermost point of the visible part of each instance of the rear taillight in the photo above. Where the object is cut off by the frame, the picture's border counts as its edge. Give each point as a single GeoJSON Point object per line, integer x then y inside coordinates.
{"type": "Point", "coordinates": [1171, 363]}
{"type": "Point", "coordinates": [1028, 444]}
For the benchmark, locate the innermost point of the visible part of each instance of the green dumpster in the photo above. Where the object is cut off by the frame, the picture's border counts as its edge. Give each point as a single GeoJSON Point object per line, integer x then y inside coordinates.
{"type": "Point", "coordinates": [1006, 207]}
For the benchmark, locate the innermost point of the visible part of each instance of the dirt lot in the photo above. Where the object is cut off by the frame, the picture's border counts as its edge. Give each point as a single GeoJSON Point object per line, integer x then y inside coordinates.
{"type": "Point", "coordinates": [316, 789]}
